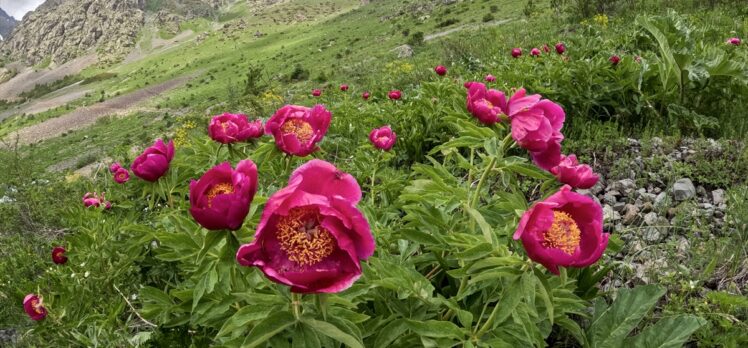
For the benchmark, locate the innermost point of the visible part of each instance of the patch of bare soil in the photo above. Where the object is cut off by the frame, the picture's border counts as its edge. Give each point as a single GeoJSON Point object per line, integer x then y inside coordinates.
{"type": "Point", "coordinates": [430, 37]}
{"type": "Point", "coordinates": [47, 102]}
{"type": "Point", "coordinates": [27, 78]}
{"type": "Point", "coordinates": [87, 116]}
{"type": "Point", "coordinates": [158, 45]}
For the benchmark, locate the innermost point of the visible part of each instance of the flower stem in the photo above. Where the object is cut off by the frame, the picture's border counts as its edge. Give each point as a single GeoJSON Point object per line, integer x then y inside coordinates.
{"type": "Point", "coordinates": [296, 305]}
{"type": "Point", "coordinates": [374, 177]}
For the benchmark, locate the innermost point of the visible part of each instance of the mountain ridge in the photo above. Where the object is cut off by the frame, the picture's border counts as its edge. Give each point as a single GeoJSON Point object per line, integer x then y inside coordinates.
{"type": "Point", "coordinates": [7, 24]}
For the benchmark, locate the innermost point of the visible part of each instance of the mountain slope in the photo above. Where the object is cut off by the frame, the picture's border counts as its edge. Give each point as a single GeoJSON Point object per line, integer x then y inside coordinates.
{"type": "Point", "coordinates": [7, 23]}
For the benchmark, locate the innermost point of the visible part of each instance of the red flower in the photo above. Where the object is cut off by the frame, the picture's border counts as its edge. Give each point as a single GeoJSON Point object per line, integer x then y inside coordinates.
{"type": "Point", "coordinates": [58, 255]}
{"type": "Point", "coordinates": [490, 78]}
{"type": "Point", "coordinates": [467, 84]}
{"type": "Point", "coordinates": [311, 236]}
{"type": "Point", "coordinates": [298, 129]}
{"type": "Point", "coordinates": [366, 95]}
{"type": "Point", "coordinates": [734, 41]}
{"type": "Point", "coordinates": [383, 138]}
{"type": "Point", "coordinates": [113, 168]}
{"type": "Point", "coordinates": [154, 161]}
{"type": "Point", "coordinates": [121, 176]}
{"type": "Point", "coordinates": [440, 70]}
{"type": "Point", "coordinates": [570, 172]}
{"type": "Point", "coordinates": [546, 49]}
{"type": "Point", "coordinates": [564, 230]}
{"type": "Point", "coordinates": [516, 52]}
{"type": "Point", "coordinates": [536, 127]}
{"type": "Point", "coordinates": [220, 199]}
{"type": "Point", "coordinates": [560, 48]}
{"type": "Point", "coordinates": [316, 92]}
{"type": "Point", "coordinates": [486, 105]}
{"type": "Point", "coordinates": [32, 304]}
{"type": "Point", "coordinates": [92, 200]}
{"type": "Point", "coordinates": [231, 128]}
{"type": "Point", "coordinates": [535, 52]}
{"type": "Point", "coordinates": [343, 87]}
{"type": "Point", "coordinates": [395, 94]}
{"type": "Point", "coordinates": [614, 59]}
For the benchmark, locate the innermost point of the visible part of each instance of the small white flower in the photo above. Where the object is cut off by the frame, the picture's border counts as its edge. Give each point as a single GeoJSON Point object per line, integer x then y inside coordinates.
{"type": "Point", "coordinates": [86, 274]}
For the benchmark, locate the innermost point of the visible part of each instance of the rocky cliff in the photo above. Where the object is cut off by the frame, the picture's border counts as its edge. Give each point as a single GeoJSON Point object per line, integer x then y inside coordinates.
{"type": "Point", "coordinates": [7, 23]}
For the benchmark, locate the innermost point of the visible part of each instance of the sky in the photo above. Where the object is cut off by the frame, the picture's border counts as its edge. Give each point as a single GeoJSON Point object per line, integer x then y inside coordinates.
{"type": "Point", "coordinates": [18, 8]}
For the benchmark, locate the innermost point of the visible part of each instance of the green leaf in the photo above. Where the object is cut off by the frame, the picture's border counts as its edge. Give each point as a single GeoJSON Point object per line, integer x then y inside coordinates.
{"type": "Point", "coordinates": [484, 226]}
{"type": "Point", "coordinates": [333, 332]}
{"type": "Point", "coordinates": [612, 324]}
{"type": "Point", "coordinates": [670, 332]}
{"type": "Point", "coordinates": [390, 333]}
{"type": "Point", "coordinates": [435, 328]}
{"type": "Point", "coordinates": [243, 317]}
{"type": "Point", "coordinates": [271, 326]}
{"type": "Point", "coordinates": [545, 292]}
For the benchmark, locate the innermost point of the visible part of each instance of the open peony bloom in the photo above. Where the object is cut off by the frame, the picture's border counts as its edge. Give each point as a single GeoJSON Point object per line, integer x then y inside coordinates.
{"type": "Point", "coordinates": [343, 87]}
{"type": "Point", "coordinates": [395, 94]}
{"type": "Point", "coordinates": [114, 167]}
{"type": "Point", "coordinates": [536, 127]}
{"type": "Point", "coordinates": [220, 199]}
{"type": "Point", "coordinates": [121, 176]}
{"type": "Point", "coordinates": [535, 52]}
{"type": "Point", "coordinates": [614, 59]}
{"type": "Point", "coordinates": [489, 78]}
{"type": "Point", "coordinates": [564, 230]}
{"type": "Point", "coordinates": [383, 138]}
{"type": "Point", "coordinates": [231, 128]}
{"type": "Point", "coordinates": [734, 41]}
{"type": "Point", "coordinates": [560, 48]}
{"type": "Point", "coordinates": [576, 175]}
{"type": "Point", "coordinates": [487, 105]}
{"type": "Point", "coordinates": [311, 236]}
{"type": "Point", "coordinates": [316, 92]}
{"type": "Point", "coordinates": [366, 95]}
{"type": "Point", "coordinates": [440, 70]}
{"type": "Point", "coordinates": [58, 255]}
{"type": "Point", "coordinates": [516, 52]}
{"type": "Point", "coordinates": [32, 304]}
{"type": "Point", "coordinates": [298, 129]}
{"type": "Point", "coordinates": [154, 161]}
{"type": "Point", "coordinates": [91, 200]}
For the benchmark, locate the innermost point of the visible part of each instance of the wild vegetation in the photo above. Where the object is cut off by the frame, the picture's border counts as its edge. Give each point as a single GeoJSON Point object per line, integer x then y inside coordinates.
{"type": "Point", "coordinates": [652, 92]}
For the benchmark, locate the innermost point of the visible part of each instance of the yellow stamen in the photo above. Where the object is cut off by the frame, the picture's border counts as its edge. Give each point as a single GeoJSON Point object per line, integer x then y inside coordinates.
{"type": "Point", "coordinates": [302, 238]}
{"type": "Point", "coordinates": [36, 305]}
{"type": "Point", "coordinates": [219, 189]}
{"type": "Point", "coordinates": [564, 234]}
{"type": "Point", "coordinates": [303, 130]}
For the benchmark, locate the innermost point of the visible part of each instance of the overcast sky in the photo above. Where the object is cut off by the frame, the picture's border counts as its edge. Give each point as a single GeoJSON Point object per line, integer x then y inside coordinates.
{"type": "Point", "coordinates": [18, 8]}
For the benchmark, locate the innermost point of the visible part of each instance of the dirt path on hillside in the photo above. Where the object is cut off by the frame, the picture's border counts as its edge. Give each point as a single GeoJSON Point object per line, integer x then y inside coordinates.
{"type": "Point", "coordinates": [27, 78]}
{"type": "Point", "coordinates": [158, 45]}
{"type": "Point", "coordinates": [87, 116]}
{"type": "Point", "coordinates": [50, 101]}
{"type": "Point", "coordinates": [430, 37]}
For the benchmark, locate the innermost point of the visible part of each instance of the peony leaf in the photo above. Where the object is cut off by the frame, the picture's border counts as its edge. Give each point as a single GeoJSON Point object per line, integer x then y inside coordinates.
{"type": "Point", "coordinates": [333, 332]}
{"type": "Point", "coordinates": [670, 332]}
{"type": "Point", "coordinates": [611, 324]}
{"type": "Point", "coordinates": [271, 326]}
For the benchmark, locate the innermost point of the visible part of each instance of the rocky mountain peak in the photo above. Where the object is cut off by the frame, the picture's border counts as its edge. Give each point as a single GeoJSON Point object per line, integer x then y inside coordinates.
{"type": "Point", "coordinates": [7, 23]}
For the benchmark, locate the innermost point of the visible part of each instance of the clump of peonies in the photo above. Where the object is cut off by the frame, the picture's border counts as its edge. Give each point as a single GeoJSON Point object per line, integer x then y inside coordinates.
{"type": "Point", "coordinates": [298, 129]}
{"type": "Point", "coordinates": [576, 175]}
{"type": "Point", "coordinates": [58, 255]}
{"type": "Point", "coordinates": [311, 236]}
{"type": "Point", "coordinates": [535, 52]}
{"type": "Point", "coordinates": [565, 230]}
{"type": "Point", "coordinates": [440, 70]}
{"type": "Point", "coordinates": [95, 200]}
{"type": "Point", "coordinates": [516, 52]}
{"type": "Point", "coordinates": [121, 176]}
{"type": "Point", "coordinates": [343, 87]}
{"type": "Point", "coordinates": [231, 128]}
{"type": "Point", "coordinates": [153, 163]}
{"type": "Point", "coordinates": [33, 306]}
{"type": "Point", "coordinates": [734, 41]}
{"type": "Point", "coordinates": [560, 48]}
{"type": "Point", "coordinates": [614, 59]}
{"type": "Point", "coordinates": [486, 105]}
{"type": "Point", "coordinates": [489, 78]}
{"type": "Point", "coordinates": [383, 138]}
{"type": "Point", "coordinates": [395, 94]}
{"type": "Point", "coordinates": [220, 199]}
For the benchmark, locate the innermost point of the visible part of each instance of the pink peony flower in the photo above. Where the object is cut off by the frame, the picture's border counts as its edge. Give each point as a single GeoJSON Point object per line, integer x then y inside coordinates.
{"type": "Point", "coordinates": [343, 87]}
{"type": "Point", "coordinates": [576, 175]}
{"type": "Point", "coordinates": [220, 199]}
{"type": "Point", "coordinates": [154, 161]}
{"type": "Point", "coordinates": [231, 128]}
{"type": "Point", "coordinates": [383, 138]}
{"type": "Point", "coordinates": [546, 49]}
{"type": "Point", "coordinates": [490, 78]}
{"type": "Point", "coordinates": [467, 84]}
{"type": "Point", "coordinates": [316, 92]}
{"type": "Point", "coordinates": [560, 48]}
{"type": "Point", "coordinates": [92, 200]}
{"type": "Point", "coordinates": [440, 70]}
{"type": "Point", "coordinates": [395, 94]}
{"type": "Point", "coordinates": [614, 59]}
{"type": "Point", "coordinates": [564, 230]}
{"type": "Point", "coordinates": [121, 176]}
{"type": "Point", "coordinates": [535, 52]}
{"type": "Point", "coordinates": [311, 236]}
{"type": "Point", "coordinates": [516, 52]}
{"type": "Point", "coordinates": [33, 306]}
{"type": "Point", "coordinates": [58, 255]}
{"type": "Point", "coordinates": [734, 41]}
{"type": "Point", "coordinates": [366, 95]}
{"type": "Point", "coordinates": [536, 127]}
{"type": "Point", "coordinates": [484, 104]}
{"type": "Point", "coordinates": [298, 129]}
{"type": "Point", "coordinates": [113, 168]}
